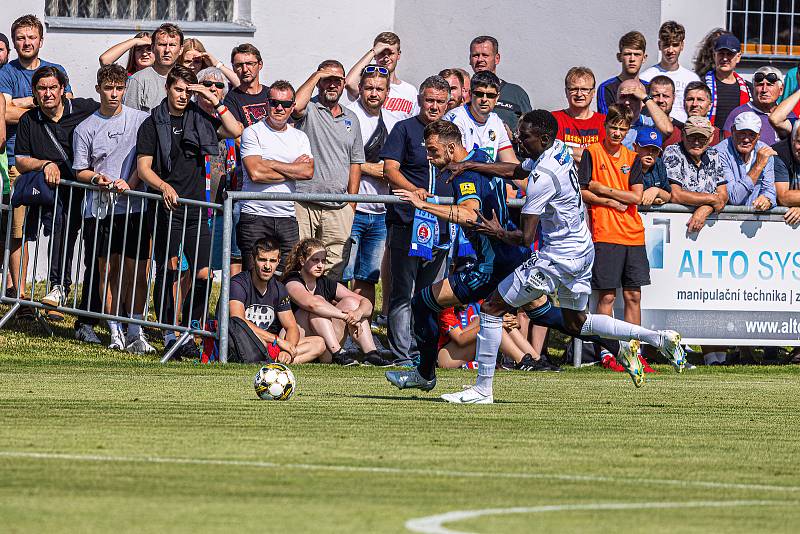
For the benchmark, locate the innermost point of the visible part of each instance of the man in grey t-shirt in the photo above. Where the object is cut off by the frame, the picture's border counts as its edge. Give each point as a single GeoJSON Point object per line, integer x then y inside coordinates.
{"type": "Point", "coordinates": [338, 150]}
{"type": "Point", "coordinates": [147, 88]}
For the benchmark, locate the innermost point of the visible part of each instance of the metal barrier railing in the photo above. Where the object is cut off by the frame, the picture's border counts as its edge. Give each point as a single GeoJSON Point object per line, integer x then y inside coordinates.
{"type": "Point", "coordinates": [149, 224]}
{"type": "Point", "coordinates": [102, 296]}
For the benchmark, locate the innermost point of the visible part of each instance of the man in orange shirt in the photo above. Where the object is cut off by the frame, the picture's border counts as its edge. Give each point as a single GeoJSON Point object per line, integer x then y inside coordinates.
{"type": "Point", "coordinates": [611, 182]}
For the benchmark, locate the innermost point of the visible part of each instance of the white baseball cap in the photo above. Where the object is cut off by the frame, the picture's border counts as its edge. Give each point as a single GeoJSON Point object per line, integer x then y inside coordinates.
{"type": "Point", "coordinates": [747, 121]}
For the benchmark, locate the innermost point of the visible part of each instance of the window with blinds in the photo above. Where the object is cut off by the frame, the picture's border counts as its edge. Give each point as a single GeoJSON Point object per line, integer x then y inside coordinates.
{"type": "Point", "coordinates": [156, 10]}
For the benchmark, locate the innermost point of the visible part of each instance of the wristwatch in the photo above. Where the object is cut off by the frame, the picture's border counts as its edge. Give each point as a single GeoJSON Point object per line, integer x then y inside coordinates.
{"type": "Point", "coordinates": [646, 99]}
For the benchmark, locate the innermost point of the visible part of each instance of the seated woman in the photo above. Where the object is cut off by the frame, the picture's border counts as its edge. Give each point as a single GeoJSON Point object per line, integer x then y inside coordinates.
{"type": "Point", "coordinates": [458, 335]}
{"type": "Point", "coordinates": [260, 302]}
{"type": "Point", "coordinates": [326, 308]}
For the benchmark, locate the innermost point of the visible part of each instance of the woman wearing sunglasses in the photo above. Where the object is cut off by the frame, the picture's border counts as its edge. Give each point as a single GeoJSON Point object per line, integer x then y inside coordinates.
{"type": "Point", "coordinates": [194, 56]}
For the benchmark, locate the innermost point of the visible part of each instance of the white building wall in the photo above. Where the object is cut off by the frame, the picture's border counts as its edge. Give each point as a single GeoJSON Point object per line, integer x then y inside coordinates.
{"type": "Point", "coordinates": [539, 39]}
{"type": "Point", "coordinates": [698, 22]}
{"type": "Point", "coordinates": [293, 38]}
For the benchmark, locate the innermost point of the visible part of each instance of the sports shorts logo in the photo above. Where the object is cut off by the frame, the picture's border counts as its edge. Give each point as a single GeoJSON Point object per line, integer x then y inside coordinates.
{"type": "Point", "coordinates": [467, 188]}
{"type": "Point", "coordinates": [424, 233]}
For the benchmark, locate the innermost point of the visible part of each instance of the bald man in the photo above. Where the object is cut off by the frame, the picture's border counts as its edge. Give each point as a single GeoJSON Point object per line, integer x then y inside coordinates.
{"type": "Point", "coordinates": [633, 95]}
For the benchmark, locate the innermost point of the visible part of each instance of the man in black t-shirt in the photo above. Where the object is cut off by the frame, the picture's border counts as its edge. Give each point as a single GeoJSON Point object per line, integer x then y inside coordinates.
{"type": "Point", "coordinates": [36, 151]}
{"type": "Point", "coordinates": [248, 102]}
{"type": "Point", "coordinates": [171, 147]}
{"type": "Point", "coordinates": [262, 302]}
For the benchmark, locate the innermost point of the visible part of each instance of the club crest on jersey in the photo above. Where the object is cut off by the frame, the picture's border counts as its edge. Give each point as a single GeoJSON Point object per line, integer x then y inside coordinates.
{"type": "Point", "coordinates": [424, 233]}
{"type": "Point", "coordinates": [625, 169]}
{"type": "Point", "coordinates": [348, 124]}
{"type": "Point", "coordinates": [467, 188]}
{"type": "Point", "coordinates": [492, 135]}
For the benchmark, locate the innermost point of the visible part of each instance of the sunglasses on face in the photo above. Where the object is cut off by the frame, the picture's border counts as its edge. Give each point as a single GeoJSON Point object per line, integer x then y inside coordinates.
{"type": "Point", "coordinates": [209, 84]}
{"type": "Point", "coordinates": [482, 94]}
{"type": "Point", "coordinates": [770, 77]}
{"type": "Point", "coordinates": [285, 104]}
{"type": "Point", "coordinates": [369, 69]}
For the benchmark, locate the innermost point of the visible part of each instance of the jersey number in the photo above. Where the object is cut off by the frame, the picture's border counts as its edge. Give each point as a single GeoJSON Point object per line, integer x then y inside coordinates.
{"type": "Point", "coordinates": [573, 179]}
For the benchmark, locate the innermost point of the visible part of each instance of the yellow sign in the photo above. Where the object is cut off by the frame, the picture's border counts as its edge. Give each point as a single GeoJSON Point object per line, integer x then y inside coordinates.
{"type": "Point", "coordinates": [467, 188]}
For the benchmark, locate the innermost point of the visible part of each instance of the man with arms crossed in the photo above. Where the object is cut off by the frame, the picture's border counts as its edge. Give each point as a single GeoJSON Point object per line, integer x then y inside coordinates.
{"type": "Point", "coordinates": [274, 157]}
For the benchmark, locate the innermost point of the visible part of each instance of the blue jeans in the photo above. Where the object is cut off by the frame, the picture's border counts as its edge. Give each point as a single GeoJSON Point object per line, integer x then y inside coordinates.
{"type": "Point", "coordinates": [368, 240]}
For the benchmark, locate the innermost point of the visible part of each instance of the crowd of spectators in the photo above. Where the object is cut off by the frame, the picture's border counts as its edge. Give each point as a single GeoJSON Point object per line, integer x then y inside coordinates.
{"type": "Point", "coordinates": [178, 122]}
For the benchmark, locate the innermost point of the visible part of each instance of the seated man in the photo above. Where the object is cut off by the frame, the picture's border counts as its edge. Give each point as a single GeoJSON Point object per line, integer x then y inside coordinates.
{"type": "Point", "coordinates": [262, 303]}
{"type": "Point", "coordinates": [695, 172]}
{"type": "Point", "coordinates": [747, 164]}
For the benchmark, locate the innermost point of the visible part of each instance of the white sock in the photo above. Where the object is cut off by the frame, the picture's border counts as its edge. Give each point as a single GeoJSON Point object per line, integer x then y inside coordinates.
{"type": "Point", "coordinates": [115, 329]}
{"type": "Point", "coordinates": [134, 329]}
{"type": "Point", "coordinates": [610, 328]}
{"type": "Point", "coordinates": [489, 337]}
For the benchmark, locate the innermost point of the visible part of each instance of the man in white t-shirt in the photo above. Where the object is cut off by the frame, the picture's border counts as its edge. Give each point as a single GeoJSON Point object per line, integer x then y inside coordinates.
{"type": "Point", "coordinates": [479, 124]}
{"type": "Point", "coordinates": [670, 42]}
{"type": "Point", "coordinates": [401, 102]}
{"type": "Point", "coordinates": [274, 155]}
{"type": "Point", "coordinates": [368, 238]}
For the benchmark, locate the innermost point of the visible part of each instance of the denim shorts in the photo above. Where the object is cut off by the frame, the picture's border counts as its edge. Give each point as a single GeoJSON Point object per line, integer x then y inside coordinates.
{"type": "Point", "coordinates": [368, 240]}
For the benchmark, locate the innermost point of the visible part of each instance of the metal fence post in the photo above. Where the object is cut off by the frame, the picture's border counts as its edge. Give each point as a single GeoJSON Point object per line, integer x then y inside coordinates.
{"type": "Point", "coordinates": [225, 287]}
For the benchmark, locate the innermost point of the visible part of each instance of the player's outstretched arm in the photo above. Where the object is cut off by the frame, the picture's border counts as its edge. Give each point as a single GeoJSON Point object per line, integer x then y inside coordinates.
{"type": "Point", "coordinates": [462, 214]}
{"type": "Point", "coordinates": [530, 223]}
{"type": "Point", "coordinates": [504, 170]}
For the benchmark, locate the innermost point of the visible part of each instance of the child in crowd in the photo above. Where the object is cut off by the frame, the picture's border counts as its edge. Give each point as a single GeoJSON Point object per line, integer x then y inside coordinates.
{"type": "Point", "coordinates": [326, 308]}
{"type": "Point", "coordinates": [654, 174]}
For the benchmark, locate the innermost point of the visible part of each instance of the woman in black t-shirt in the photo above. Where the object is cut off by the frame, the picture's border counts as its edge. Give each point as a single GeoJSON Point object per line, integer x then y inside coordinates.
{"type": "Point", "coordinates": [327, 308]}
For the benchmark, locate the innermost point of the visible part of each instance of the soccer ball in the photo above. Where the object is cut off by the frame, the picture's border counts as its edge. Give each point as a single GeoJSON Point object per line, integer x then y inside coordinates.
{"type": "Point", "coordinates": [274, 381]}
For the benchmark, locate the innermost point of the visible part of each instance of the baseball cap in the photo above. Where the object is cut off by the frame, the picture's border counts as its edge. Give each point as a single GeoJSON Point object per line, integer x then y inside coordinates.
{"type": "Point", "coordinates": [648, 136]}
{"type": "Point", "coordinates": [728, 41]}
{"type": "Point", "coordinates": [747, 121]}
{"type": "Point", "coordinates": [698, 125]}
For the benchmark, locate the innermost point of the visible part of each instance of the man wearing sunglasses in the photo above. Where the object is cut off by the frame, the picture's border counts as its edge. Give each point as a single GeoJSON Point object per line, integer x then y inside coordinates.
{"type": "Point", "coordinates": [275, 156]}
{"type": "Point", "coordinates": [401, 103]}
{"type": "Point", "coordinates": [767, 88]}
{"type": "Point", "coordinates": [480, 126]}
{"type": "Point", "coordinates": [338, 151]}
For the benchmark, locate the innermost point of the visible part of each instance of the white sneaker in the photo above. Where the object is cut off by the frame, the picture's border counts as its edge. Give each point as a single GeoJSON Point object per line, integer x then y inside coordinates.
{"type": "Point", "coordinates": [117, 343]}
{"type": "Point", "coordinates": [139, 345]}
{"type": "Point", "coordinates": [56, 297]}
{"type": "Point", "coordinates": [468, 396]}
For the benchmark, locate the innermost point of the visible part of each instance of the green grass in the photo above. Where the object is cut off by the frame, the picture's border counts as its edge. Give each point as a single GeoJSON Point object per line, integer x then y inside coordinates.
{"type": "Point", "coordinates": [724, 425]}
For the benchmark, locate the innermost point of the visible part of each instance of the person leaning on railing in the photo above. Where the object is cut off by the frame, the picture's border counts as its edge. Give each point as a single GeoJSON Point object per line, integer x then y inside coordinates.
{"type": "Point", "coordinates": [172, 146]}
{"type": "Point", "coordinates": [55, 118]}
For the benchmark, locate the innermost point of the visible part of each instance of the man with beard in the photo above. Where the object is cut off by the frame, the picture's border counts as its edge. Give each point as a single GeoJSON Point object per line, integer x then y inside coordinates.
{"type": "Point", "coordinates": [456, 80]}
{"type": "Point", "coordinates": [338, 151]}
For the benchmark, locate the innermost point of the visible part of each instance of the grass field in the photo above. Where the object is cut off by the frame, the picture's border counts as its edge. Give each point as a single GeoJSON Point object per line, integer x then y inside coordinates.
{"type": "Point", "coordinates": [95, 441]}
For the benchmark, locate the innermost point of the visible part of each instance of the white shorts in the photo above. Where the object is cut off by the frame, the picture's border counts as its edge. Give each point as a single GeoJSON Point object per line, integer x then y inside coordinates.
{"type": "Point", "coordinates": [570, 279]}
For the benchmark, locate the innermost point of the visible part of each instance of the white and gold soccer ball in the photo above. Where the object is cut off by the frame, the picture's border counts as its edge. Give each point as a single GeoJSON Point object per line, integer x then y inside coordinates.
{"type": "Point", "coordinates": [274, 381]}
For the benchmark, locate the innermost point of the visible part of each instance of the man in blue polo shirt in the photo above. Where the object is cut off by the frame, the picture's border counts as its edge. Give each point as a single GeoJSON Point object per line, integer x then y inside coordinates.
{"type": "Point", "coordinates": [27, 34]}
{"type": "Point", "coordinates": [406, 167]}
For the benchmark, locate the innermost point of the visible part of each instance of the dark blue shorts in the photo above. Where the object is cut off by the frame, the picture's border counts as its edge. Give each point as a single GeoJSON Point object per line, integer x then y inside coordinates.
{"type": "Point", "coordinates": [472, 286]}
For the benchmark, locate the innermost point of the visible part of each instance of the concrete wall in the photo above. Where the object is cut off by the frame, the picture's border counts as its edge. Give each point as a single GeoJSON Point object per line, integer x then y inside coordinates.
{"type": "Point", "coordinates": [536, 48]}
{"type": "Point", "coordinates": [293, 39]}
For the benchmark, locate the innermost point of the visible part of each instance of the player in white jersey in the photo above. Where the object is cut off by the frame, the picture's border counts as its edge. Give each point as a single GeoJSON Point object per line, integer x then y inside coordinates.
{"type": "Point", "coordinates": [479, 124]}
{"type": "Point", "coordinates": [562, 267]}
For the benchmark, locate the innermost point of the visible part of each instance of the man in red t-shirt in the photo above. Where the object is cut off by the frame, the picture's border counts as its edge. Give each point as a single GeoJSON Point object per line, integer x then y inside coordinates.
{"type": "Point", "coordinates": [578, 125]}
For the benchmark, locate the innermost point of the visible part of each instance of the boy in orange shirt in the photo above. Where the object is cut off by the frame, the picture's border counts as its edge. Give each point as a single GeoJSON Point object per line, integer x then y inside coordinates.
{"type": "Point", "coordinates": [611, 185]}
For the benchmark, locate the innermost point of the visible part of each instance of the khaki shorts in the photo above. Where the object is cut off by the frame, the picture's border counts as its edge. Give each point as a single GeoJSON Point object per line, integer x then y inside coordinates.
{"type": "Point", "coordinates": [18, 219]}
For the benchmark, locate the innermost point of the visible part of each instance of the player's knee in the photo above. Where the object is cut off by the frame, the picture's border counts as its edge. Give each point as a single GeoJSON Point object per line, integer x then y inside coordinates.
{"type": "Point", "coordinates": [573, 321]}
{"type": "Point", "coordinates": [349, 304]}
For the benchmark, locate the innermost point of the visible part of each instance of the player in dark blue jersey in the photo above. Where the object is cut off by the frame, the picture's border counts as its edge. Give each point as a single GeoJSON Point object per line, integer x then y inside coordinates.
{"type": "Point", "coordinates": [477, 196]}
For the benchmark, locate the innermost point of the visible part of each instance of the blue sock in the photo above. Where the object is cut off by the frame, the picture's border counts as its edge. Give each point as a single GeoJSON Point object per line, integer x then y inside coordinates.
{"type": "Point", "coordinates": [426, 310]}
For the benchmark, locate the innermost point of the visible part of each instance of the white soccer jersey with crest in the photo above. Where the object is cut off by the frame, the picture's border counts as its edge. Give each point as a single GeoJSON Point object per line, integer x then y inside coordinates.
{"type": "Point", "coordinates": [554, 194]}
{"type": "Point", "coordinates": [490, 136]}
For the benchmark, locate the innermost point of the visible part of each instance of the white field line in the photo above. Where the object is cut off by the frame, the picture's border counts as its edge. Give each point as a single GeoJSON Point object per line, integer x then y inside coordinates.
{"type": "Point", "coordinates": [434, 524]}
{"type": "Point", "coordinates": [398, 471]}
